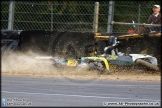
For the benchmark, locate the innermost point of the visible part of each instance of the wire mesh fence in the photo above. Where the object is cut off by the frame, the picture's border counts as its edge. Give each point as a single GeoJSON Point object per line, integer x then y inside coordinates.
{"type": "Point", "coordinates": [73, 15]}
{"type": "Point", "coordinates": [138, 11]}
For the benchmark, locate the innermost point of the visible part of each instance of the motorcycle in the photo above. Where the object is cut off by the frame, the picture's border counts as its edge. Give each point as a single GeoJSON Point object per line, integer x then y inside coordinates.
{"type": "Point", "coordinates": [111, 60]}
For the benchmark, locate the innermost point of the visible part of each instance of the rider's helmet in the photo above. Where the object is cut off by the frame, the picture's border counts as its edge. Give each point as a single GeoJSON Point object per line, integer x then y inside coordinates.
{"type": "Point", "coordinates": [112, 41]}
{"type": "Point", "coordinates": [112, 45]}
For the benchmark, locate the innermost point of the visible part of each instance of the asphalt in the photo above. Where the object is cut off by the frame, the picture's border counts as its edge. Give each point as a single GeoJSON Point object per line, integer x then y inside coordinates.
{"type": "Point", "coordinates": [41, 91]}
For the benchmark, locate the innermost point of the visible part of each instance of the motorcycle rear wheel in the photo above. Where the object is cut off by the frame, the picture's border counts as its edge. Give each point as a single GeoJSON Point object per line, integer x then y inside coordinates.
{"type": "Point", "coordinates": [147, 64]}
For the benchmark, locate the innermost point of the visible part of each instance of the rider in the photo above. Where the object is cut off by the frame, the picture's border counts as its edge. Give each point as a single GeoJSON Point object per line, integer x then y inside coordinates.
{"type": "Point", "coordinates": [112, 46]}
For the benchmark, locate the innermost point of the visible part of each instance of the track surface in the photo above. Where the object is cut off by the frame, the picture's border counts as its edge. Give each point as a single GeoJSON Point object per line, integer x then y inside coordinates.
{"type": "Point", "coordinates": [62, 92]}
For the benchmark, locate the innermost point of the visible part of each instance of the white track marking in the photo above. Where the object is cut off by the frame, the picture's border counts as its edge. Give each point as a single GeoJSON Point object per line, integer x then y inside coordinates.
{"type": "Point", "coordinates": [66, 95]}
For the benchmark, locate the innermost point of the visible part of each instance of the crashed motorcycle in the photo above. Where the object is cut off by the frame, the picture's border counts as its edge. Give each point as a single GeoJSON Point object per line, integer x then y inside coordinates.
{"type": "Point", "coordinates": [111, 60]}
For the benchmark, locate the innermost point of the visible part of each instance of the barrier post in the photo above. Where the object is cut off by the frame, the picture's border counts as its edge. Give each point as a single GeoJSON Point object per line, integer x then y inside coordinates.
{"type": "Point", "coordinates": [96, 13]}
{"type": "Point", "coordinates": [11, 15]}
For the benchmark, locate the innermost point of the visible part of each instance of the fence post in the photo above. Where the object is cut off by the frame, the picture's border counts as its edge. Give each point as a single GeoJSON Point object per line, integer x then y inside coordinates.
{"type": "Point", "coordinates": [51, 17]}
{"type": "Point", "coordinates": [139, 9]}
{"type": "Point", "coordinates": [95, 20]}
{"type": "Point", "coordinates": [110, 16]}
{"type": "Point", "coordinates": [11, 15]}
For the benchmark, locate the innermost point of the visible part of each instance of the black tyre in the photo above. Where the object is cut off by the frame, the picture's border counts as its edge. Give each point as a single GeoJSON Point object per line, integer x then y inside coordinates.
{"type": "Point", "coordinates": [70, 51]}
{"type": "Point", "coordinates": [100, 45]}
{"type": "Point", "coordinates": [147, 64]}
{"type": "Point", "coordinates": [63, 46]}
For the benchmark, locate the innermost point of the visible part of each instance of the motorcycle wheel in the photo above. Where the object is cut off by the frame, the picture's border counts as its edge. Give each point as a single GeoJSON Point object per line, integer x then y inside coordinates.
{"type": "Point", "coordinates": [147, 64]}
{"type": "Point", "coordinates": [96, 67]}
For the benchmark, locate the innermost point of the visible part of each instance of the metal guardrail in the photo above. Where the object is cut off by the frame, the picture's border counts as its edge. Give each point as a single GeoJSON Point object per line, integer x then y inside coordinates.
{"type": "Point", "coordinates": [124, 23]}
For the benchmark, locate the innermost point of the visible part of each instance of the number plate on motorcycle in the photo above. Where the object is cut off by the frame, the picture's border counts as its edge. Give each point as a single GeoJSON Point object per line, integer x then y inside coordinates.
{"type": "Point", "coordinates": [72, 63]}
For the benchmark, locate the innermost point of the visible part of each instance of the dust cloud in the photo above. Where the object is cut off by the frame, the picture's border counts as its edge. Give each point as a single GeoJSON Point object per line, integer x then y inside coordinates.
{"type": "Point", "coordinates": [18, 63]}
{"type": "Point", "coordinates": [25, 64]}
